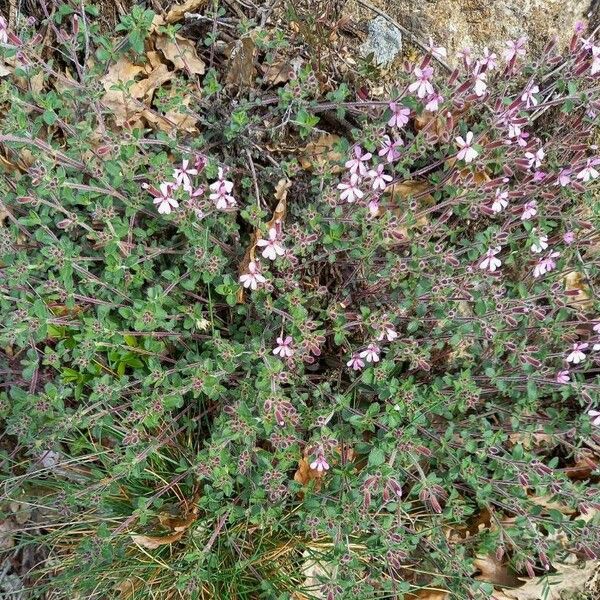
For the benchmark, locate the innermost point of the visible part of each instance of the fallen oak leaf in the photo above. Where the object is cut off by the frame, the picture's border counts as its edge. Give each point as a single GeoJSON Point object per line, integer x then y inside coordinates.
{"type": "Point", "coordinates": [151, 542]}
{"type": "Point", "coordinates": [494, 571]}
{"type": "Point", "coordinates": [182, 53]}
{"type": "Point", "coordinates": [322, 153]}
{"type": "Point", "coordinates": [240, 72]}
{"type": "Point", "coordinates": [177, 12]}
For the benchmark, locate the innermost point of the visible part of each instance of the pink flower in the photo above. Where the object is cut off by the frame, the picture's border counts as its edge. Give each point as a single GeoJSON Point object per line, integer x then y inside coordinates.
{"type": "Point", "coordinates": [569, 237]}
{"type": "Point", "coordinates": [320, 464]}
{"type": "Point", "coordinates": [433, 102]}
{"type": "Point", "coordinates": [466, 152]}
{"type": "Point", "coordinates": [438, 52]}
{"type": "Point", "coordinates": [465, 55]}
{"type": "Point", "coordinates": [577, 355]}
{"type": "Point", "coordinates": [400, 115]}
{"type": "Point", "coordinates": [535, 160]}
{"type": "Point", "coordinates": [350, 192]}
{"type": "Point", "coordinates": [165, 200]}
{"type": "Point", "coordinates": [595, 60]}
{"type": "Point", "coordinates": [3, 30]}
{"type": "Point", "coordinates": [528, 96]}
{"type": "Point", "coordinates": [373, 207]}
{"type": "Point", "coordinates": [563, 377]}
{"type": "Point", "coordinates": [514, 49]}
{"type": "Point", "coordinates": [380, 179]}
{"type": "Point", "coordinates": [283, 347]}
{"type": "Point", "coordinates": [356, 165]}
{"type": "Point", "coordinates": [597, 327]}
{"type": "Point", "coordinates": [272, 247]}
{"type": "Point", "coordinates": [488, 60]}
{"type": "Point", "coordinates": [588, 172]}
{"type": "Point", "coordinates": [252, 278]}
{"type": "Point", "coordinates": [182, 175]}
{"type": "Point", "coordinates": [388, 332]}
{"type": "Point", "coordinates": [529, 210]}
{"type": "Point", "coordinates": [594, 416]}
{"type": "Point", "coordinates": [389, 149]}
{"type": "Point", "coordinates": [541, 244]}
{"type": "Point", "coordinates": [564, 177]}
{"type": "Point", "coordinates": [546, 264]}
{"type": "Point", "coordinates": [371, 353]}
{"type": "Point", "coordinates": [355, 363]}
{"type": "Point", "coordinates": [480, 85]}
{"type": "Point", "coordinates": [490, 262]}
{"type": "Point", "coordinates": [500, 201]}
{"type": "Point", "coordinates": [422, 86]}
{"type": "Point", "coordinates": [221, 192]}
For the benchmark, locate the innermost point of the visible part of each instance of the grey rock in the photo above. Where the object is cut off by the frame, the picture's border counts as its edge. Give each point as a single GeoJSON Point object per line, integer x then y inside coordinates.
{"type": "Point", "coordinates": [384, 41]}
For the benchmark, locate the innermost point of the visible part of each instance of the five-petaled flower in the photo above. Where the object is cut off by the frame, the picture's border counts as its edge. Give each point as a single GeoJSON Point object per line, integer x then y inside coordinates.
{"type": "Point", "coordinates": [182, 175]}
{"type": "Point", "coordinates": [564, 177]}
{"type": "Point", "coordinates": [252, 278]}
{"type": "Point", "coordinates": [350, 191]}
{"type": "Point", "coordinates": [563, 377]}
{"type": "Point", "coordinates": [546, 264]}
{"type": "Point", "coordinates": [515, 49]}
{"type": "Point", "coordinates": [594, 416]}
{"type": "Point", "coordinates": [528, 95]}
{"type": "Point", "coordinates": [488, 60]}
{"type": "Point", "coordinates": [576, 354]}
{"type": "Point", "coordinates": [433, 102]}
{"type": "Point", "coordinates": [541, 244]}
{"type": "Point", "coordinates": [480, 85]}
{"type": "Point", "coordinates": [500, 201]}
{"type": "Point", "coordinates": [371, 353]}
{"type": "Point", "coordinates": [356, 363]}
{"type": "Point", "coordinates": [389, 149]}
{"type": "Point", "coordinates": [356, 165]}
{"type": "Point", "coordinates": [165, 200]}
{"type": "Point", "coordinates": [319, 464]}
{"type": "Point", "coordinates": [595, 59]}
{"type": "Point", "coordinates": [283, 347]}
{"type": "Point", "coordinates": [466, 152]}
{"type": "Point", "coordinates": [529, 210]}
{"type": "Point", "coordinates": [535, 159]}
{"type": "Point", "coordinates": [272, 246]}
{"type": "Point", "coordinates": [387, 332]}
{"type": "Point", "coordinates": [490, 262]}
{"type": "Point", "coordinates": [438, 52]}
{"type": "Point", "coordinates": [221, 192]}
{"type": "Point", "coordinates": [423, 85]}
{"type": "Point", "coordinates": [379, 178]}
{"type": "Point", "coordinates": [400, 115]}
{"type": "Point", "coordinates": [588, 172]}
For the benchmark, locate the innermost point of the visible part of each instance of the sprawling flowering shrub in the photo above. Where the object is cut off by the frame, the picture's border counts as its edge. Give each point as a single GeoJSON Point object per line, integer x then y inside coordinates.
{"type": "Point", "coordinates": [222, 359]}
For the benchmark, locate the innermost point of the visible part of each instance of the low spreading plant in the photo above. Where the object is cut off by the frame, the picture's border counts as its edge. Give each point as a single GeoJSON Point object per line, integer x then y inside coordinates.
{"type": "Point", "coordinates": [322, 347]}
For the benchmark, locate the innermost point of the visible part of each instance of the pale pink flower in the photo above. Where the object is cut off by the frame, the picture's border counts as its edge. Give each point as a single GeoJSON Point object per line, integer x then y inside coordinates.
{"type": "Point", "coordinates": [357, 165]}
{"type": "Point", "coordinates": [535, 160]}
{"type": "Point", "coordinates": [563, 377]}
{"type": "Point", "coordinates": [594, 416]}
{"type": "Point", "coordinates": [490, 262]}
{"type": "Point", "coordinates": [433, 102]}
{"type": "Point", "coordinates": [379, 178]}
{"type": "Point", "coordinates": [480, 86]}
{"type": "Point", "coordinates": [546, 264]}
{"type": "Point", "coordinates": [400, 115]}
{"type": "Point", "coordinates": [588, 172]}
{"type": "Point", "coordinates": [165, 200]}
{"type": "Point", "coordinates": [564, 177]}
{"type": "Point", "coordinates": [488, 60]}
{"type": "Point", "coordinates": [529, 210]}
{"type": "Point", "coordinates": [515, 49]}
{"type": "Point", "coordinates": [528, 96]}
{"type": "Point", "coordinates": [597, 327]}
{"type": "Point", "coordinates": [438, 52]}
{"type": "Point", "coordinates": [3, 30]}
{"type": "Point", "coordinates": [389, 149]}
{"type": "Point", "coordinates": [541, 244]}
{"type": "Point", "coordinates": [272, 246]}
{"type": "Point", "coordinates": [371, 353]}
{"type": "Point", "coordinates": [423, 85]}
{"type": "Point", "coordinates": [595, 60]}
{"type": "Point", "coordinates": [221, 192]}
{"type": "Point", "coordinates": [387, 332]}
{"type": "Point", "coordinates": [500, 201]}
{"type": "Point", "coordinates": [569, 237]}
{"type": "Point", "coordinates": [466, 152]}
{"type": "Point", "coordinates": [182, 175]}
{"type": "Point", "coordinates": [350, 191]}
{"type": "Point", "coordinates": [355, 363]}
{"type": "Point", "coordinates": [283, 347]}
{"type": "Point", "coordinates": [373, 207]}
{"type": "Point", "coordinates": [320, 464]}
{"type": "Point", "coordinates": [252, 278]}
{"type": "Point", "coordinates": [577, 355]}
{"type": "Point", "coordinates": [465, 55]}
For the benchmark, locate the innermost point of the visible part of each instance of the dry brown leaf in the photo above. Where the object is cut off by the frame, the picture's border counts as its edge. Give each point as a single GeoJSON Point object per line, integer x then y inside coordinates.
{"type": "Point", "coordinates": [121, 106]}
{"type": "Point", "coordinates": [304, 473]}
{"type": "Point", "coordinates": [321, 153]}
{"type": "Point", "coordinates": [585, 463]}
{"type": "Point", "coordinates": [145, 88]}
{"type": "Point", "coordinates": [280, 71]}
{"type": "Point", "coordinates": [240, 68]}
{"type": "Point", "coordinates": [151, 542]}
{"type": "Point", "coordinates": [182, 53]}
{"type": "Point", "coordinates": [4, 70]}
{"type": "Point", "coordinates": [494, 571]}
{"type": "Point", "coordinates": [177, 524]}
{"type": "Point", "coordinates": [154, 60]}
{"type": "Point", "coordinates": [426, 594]}
{"type": "Point", "coordinates": [567, 579]}
{"type": "Point", "coordinates": [576, 281]}
{"type": "Point", "coordinates": [177, 12]}
{"type": "Point", "coordinates": [547, 502]}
